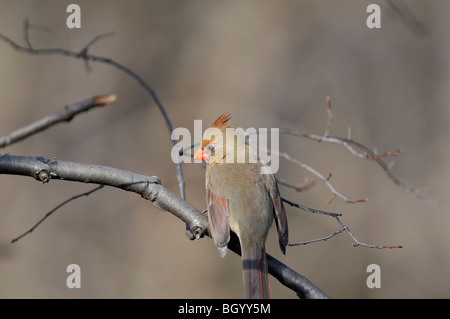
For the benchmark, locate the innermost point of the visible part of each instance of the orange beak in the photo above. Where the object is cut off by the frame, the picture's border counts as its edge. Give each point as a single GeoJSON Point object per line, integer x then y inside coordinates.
{"type": "Point", "coordinates": [201, 154]}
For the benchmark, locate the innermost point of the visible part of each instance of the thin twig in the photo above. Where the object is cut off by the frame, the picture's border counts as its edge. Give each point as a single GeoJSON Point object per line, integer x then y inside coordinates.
{"type": "Point", "coordinates": [408, 18]}
{"type": "Point", "coordinates": [309, 209]}
{"type": "Point", "coordinates": [84, 51]}
{"type": "Point", "coordinates": [26, 39]}
{"type": "Point", "coordinates": [95, 40]}
{"type": "Point", "coordinates": [304, 185]}
{"type": "Point", "coordinates": [318, 239]}
{"type": "Point", "coordinates": [366, 153]}
{"type": "Point", "coordinates": [53, 210]}
{"type": "Point", "coordinates": [330, 117]}
{"type": "Point", "coordinates": [188, 150]}
{"type": "Point", "coordinates": [358, 243]}
{"type": "Point", "coordinates": [324, 179]}
{"type": "Point", "coordinates": [328, 202]}
{"type": "Point", "coordinates": [386, 154]}
{"type": "Point", "coordinates": [341, 230]}
{"type": "Point", "coordinates": [64, 115]}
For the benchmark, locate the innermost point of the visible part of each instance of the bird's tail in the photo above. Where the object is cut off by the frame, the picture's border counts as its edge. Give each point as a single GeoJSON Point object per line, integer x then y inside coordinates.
{"type": "Point", "coordinates": [255, 271]}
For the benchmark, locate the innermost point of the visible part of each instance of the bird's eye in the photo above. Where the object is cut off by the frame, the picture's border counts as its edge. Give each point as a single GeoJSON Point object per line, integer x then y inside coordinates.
{"type": "Point", "coordinates": [210, 148]}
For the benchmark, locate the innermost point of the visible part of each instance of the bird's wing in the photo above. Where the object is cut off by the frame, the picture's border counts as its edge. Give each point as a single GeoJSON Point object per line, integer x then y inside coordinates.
{"type": "Point", "coordinates": [278, 212]}
{"type": "Point", "coordinates": [281, 222]}
{"type": "Point", "coordinates": [219, 213]}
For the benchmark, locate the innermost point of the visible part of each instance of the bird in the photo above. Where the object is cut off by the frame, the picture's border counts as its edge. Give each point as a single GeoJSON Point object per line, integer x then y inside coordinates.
{"type": "Point", "coordinates": [241, 199]}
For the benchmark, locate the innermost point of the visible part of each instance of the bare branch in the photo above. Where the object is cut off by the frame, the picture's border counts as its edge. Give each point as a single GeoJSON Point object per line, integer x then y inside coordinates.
{"type": "Point", "coordinates": [318, 239]}
{"type": "Point", "coordinates": [324, 179]}
{"type": "Point", "coordinates": [293, 280]}
{"type": "Point", "coordinates": [362, 200]}
{"type": "Point", "coordinates": [358, 243]}
{"type": "Point", "coordinates": [328, 202]}
{"type": "Point", "coordinates": [150, 188]}
{"type": "Point", "coordinates": [65, 115]}
{"type": "Point", "coordinates": [330, 117]}
{"type": "Point", "coordinates": [95, 40]}
{"type": "Point", "coordinates": [341, 230]}
{"type": "Point", "coordinates": [385, 154]}
{"type": "Point", "coordinates": [309, 209]}
{"type": "Point", "coordinates": [407, 17]}
{"type": "Point", "coordinates": [26, 26]}
{"type": "Point", "coordinates": [367, 153]}
{"type": "Point", "coordinates": [84, 55]}
{"type": "Point", "coordinates": [44, 169]}
{"type": "Point", "coordinates": [53, 210]}
{"type": "Point", "coordinates": [304, 185]}
{"type": "Point", "coordinates": [84, 51]}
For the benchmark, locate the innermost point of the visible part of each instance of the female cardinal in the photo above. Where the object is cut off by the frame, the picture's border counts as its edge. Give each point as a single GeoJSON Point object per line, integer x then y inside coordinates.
{"type": "Point", "coordinates": [242, 199]}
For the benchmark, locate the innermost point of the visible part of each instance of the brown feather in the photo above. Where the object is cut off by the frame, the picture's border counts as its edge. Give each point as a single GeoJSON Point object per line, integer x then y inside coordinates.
{"type": "Point", "coordinates": [222, 123]}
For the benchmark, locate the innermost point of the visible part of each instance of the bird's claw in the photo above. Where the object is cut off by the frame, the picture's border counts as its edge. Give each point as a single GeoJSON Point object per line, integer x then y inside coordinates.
{"type": "Point", "coordinates": [195, 232]}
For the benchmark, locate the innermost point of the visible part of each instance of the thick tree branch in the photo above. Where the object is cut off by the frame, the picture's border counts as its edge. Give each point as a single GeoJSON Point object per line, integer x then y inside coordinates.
{"type": "Point", "coordinates": [150, 188]}
{"type": "Point", "coordinates": [44, 169]}
{"type": "Point", "coordinates": [294, 280]}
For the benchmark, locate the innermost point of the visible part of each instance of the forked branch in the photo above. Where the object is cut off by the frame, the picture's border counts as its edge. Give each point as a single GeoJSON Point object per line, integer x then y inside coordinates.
{"type": "Point", "coordinates": [352, 146]}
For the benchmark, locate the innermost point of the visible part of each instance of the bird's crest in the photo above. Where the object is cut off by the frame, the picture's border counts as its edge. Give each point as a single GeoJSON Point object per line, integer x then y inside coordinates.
{"type": "Point", "coordinates": [222, 123]}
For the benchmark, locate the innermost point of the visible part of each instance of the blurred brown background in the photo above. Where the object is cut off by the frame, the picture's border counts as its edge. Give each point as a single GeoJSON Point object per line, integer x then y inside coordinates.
{"type": "Point", "coordinates": [268, 63]}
